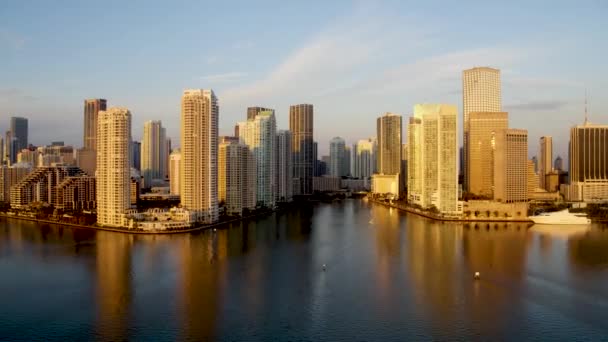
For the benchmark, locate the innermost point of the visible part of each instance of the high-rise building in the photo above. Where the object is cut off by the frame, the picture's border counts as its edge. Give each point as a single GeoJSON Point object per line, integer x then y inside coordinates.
{"type": "Point", "coordinates": [483, 127]}
{"type": "Point", "coordinates": [433, 155]}
{"type": "Point", "coordinates": [511, 166]}
{"type": "Point", "coordinates": [252, 112]}
{"type": "Point", "coordinates": [41, 185]}
{"type": "Point", "coordinates": [10, 176]}
{"type": "Point", "coordinates": [167, 157]}
{"type": "Point", "coordinates": [236, 177]}
{"type": "Point", "coordinates": [91, 111]}
{"type": "Point", "coordinates": [11, 148]}
{"type": "Point", "coordinates": [558, 164]}
{"type": "Point", "coordinates": [346, 161]}
{"type": "Point", "coordinates": [113, 166]}
{"type": "Point", "coordinates": [260, 135]}
{"type": "Point", "coordinates": [535, 161]}
{"type": "Point", "coordinates": [19, 129]}
{"type": "Point", "coordinates": [364, 158]}
{"type": "Point", "coordinates": [153, 153]}
{"type": "Point", "coordinates": [301, 127]}
{"type": "Point", "coordinates": [532, 179]}
{"type": "Point", "coordinates": [545, 165]}
{"type": "Point", "coordinates": [284, 167]}
{"type": "Point", "coordinates": [336, 157]}
{"type": "Point", "coordinates": [136, 155]}
{"type": "Point", "coordinates": [388, 157]}
{"type": "Point", "coordinates": [174, 171]}
{"type": "Point", "coordinates": [199, 143]}
{"type": "Point", "coordinates": [480, 93]}
{"type": "Point", "coordinates": [86, 160]}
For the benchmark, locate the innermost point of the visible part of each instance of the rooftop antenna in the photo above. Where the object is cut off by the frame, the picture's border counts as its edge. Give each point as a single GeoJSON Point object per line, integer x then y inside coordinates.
{"type": "Point", "coordinates": [586, 107]}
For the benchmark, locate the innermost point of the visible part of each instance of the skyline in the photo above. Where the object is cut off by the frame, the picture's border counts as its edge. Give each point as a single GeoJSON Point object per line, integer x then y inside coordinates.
{"type": "Point", "coordinates": [346, 64]}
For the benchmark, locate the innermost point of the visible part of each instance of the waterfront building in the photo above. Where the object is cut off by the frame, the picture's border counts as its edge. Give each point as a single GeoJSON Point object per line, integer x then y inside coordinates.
{"type": "Point", "coordinates": [199, 143]}
{"type": "Point", "coordinates": [545, 165]}
{"type": "Point", "coordinates": [337, 153]}
{"type": "Point", "coordinates": [301, 127]}
{"type": "Point", "coordinates": [10, 176]}
{"type": "Point", "coordinates": [483, 127]}
{"type": "Point", "coordinates": [481, 92]}
{"type": "Point", "coordinates": [364, 162]}
{"type": "Point", "coordinates": [326, 184]}
{"type": "Point", "coordinates": [76, 193]}
{"type": "Point", "coordinates": [113, 166]}
{"type": "Point", "coordinates": [41, 185]}
{"type": "Point", "coordinates": [260, 135]}
{"type": "Point", "coordinates": [174, 171]}
{"type": "Point", "coordinates": [511, 166]}
{"type": "Point", "coordinates": [388, 158]}
{"type": "Point", "coordinates": [284, 166]}
{"type": "Point", "coordinates": [432, 160]}
{"type": "Point", "coordinates": [153, 153]}
{"type": "Point", "coordinates": [236, 177]}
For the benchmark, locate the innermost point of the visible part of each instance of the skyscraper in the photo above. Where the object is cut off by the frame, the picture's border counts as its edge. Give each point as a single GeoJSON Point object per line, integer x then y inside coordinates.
{"type": "Point", "coordinates": [346, 161]}
{"type": "Point", "coordinates": [388, 158]}
{"type": "Point", "coordinates": [336, 157]}
{"type": "Point", "coordinates": [545, 165]}
{"type": "Point", "coordinates": [432, 160]}
{"type": "Point", "coordinates": [91, 111]}
{"type": "Point", "coordinates": [558, 164]}
{"type": "Point", "coordinates": [19, 129]}
{"type": "Point", "coordinates": [284, 167]}
{"type": "Point", "coordinates": [511, 165]}
{"type": "Point", "coordinates": [588, 154]}
{"type": "Point", "coordinates": [136, 155]}
{"type": "Point", "coordinates": [260, 135]}
{"type": "Point", "coordinates": [113, 166]}
{"type": "Point", "coordinates": [153, 153]}
{"type": "Point", "coordinates": [480, 93]}
{"type": "Point", "coordinates": [301, 127]}
{"type": "Point", "coordinates": [483, 127]}
{"type": "Point", "coordinates": [199, 143]}
{"type": "Point", "coordinates": [236, 177]}
{"type": "Point", "coordinates": [364, 162]}
{"type": "Point", "coordinates": [174, 172]}
{"type": "Point", "coordinates": [252, 112]}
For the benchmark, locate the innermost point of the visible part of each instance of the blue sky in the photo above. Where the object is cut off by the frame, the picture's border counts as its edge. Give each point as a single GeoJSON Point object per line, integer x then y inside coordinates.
{"type": "Point", "coordinates": [352, 60]}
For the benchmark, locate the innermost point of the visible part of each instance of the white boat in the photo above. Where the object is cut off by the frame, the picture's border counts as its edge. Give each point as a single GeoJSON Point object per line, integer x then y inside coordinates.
{"type": "Point", "coordinates": [561, 217]}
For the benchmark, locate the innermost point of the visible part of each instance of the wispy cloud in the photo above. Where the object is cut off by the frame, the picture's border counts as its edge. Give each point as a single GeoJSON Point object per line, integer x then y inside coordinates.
{"type": "Point", "coordinates": [223, 78]}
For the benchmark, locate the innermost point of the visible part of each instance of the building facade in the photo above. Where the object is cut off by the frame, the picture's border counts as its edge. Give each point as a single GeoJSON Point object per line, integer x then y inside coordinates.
{"type": "Point", "coordinates": [389, 135]}
{"type": "Point", "coordinates": [236, 177]}
{"type": "Point", "coordinates": [77, 193]}
{"type": "Point", "coordinates": [10, 176]}
{"type": "Point", "coordinates": [511, 166]}
{"type": "Point", "coordinates": [545, 162]}
{"type": "Point", "coordinates": [301, 122]}
{"type": "Point", "coordinates": [153, 153]}
{"type": "Point", "coordinates": [337, 153]}
{"type": "Point", "coordinates": [19, 131]}
{"type": "Point", "coordinates": [174, 172]}
{"type": "Point", "coordinates": [364, 158]}
{"type": "Point", "coordinates": [92, 107]}
{"type": "Point", "coordinates": [483, 127]}
{"type": "Point", "coordinates": [41, 186]}
{"type": "Point", "coordinates": [481, 92]}
{"type": "Point", "coordinates": [113, 166]}
{"type": "Point", "coordinates": [199, 143]}
{"type": "Point", "coordinates": [284, 166]}
{"type": "Point", "coordinates": [588, 155]}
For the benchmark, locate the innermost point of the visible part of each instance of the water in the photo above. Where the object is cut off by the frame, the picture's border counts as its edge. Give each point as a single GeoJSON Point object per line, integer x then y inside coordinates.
{"type": "Point", "coordinates": [390, 276]}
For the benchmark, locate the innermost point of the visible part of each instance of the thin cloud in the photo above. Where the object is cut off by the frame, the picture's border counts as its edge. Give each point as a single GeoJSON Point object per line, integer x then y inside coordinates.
{"type": "Point", "coordinates": [223, 78]}
{"type": "Point", "coordinates": [537, 106]}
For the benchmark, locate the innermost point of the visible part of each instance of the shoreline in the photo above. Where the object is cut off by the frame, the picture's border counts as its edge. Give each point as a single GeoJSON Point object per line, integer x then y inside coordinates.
{"type": "Point", "coordinates": [131, 231]}
{"type": "Point", "coordinates": [446, 219]}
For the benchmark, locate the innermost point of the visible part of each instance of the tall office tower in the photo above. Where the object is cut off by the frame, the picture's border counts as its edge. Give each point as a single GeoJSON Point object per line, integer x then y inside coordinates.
{"type": "Point", "coordinates": [364, 159]}
{"type": "Point", "coordinates": [588, 162]}
{"type": "Point", "coordinates": [545, 165]}
{"type": "Point", "coordinates": [336, 157]}
{"type": "Point", "coordinates": [11, 147]}
{"type": "Point", "coordinates": [558, 164]}
{"type": "Point", "coordinates": [91, 111]}
{"type": "Point", "coordinates": [483, 127]}
{"type": "Point", "coordinates": [252, 112]}
{"type": "Point", "coordinates": [260, 135]}
{"type": "Point", "coordinates": [175, 160]}
{"type": "Point", "coordinates": [284, 167]}
{"type": "Point", "coordinates": [346, 161]}
{"type": "Point", "coordinates": [315, 151]}
{"type": "Point", "coordinates": [167, 157]}
{"type": "Point", "coordinates": [511, 166]}
{"type": "Point", "coordinates": [404, 156]}
{"type": "Point", "coordinates": [113, 166]}
{"type": "Point", "coordinates": [480, 93]}
{"type": "Point", "coordinates": [199, 143]}
{"type": "Point", "coordinates": [535, 161]}
{"type": "Point", "coordinates": [136, 155]}
{"type": "Point", "coordinates": [388, 158]}
{"type": "Point", "coordinates": [19, 129]}
{"type": "Point", "coordinates": [301, 127]}
{"type": "Point", "coordinates": [153, 153]}
{"type": "Point", "coordinates": [236, 177]}
{"type": "Point", "coordinates": [532, 179]}
{"type": "Point", "coordinates": [433, 155]}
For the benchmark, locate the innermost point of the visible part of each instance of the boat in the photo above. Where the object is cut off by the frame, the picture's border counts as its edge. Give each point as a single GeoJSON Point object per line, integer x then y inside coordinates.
{"type": "Point", "coordinates": [561, 217]}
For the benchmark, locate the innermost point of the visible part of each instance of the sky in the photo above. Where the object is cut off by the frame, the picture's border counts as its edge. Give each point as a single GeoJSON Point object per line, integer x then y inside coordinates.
{"type": "Point", "coordinates": [353, 60]}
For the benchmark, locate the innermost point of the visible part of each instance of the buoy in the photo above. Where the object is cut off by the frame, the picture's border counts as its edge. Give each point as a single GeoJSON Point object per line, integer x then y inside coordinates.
{"type": "Point", "coordinates": [324, 267]}
{"type": "Point", "coordinates": [477, 275]}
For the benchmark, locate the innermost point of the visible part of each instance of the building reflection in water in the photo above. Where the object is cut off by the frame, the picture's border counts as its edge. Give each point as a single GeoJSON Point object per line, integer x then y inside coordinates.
{"type": "Point", "coordinates": [113, 292]}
